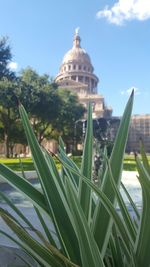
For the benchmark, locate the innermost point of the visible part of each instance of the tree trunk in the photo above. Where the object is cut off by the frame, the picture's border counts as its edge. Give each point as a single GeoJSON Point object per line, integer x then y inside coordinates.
{"type": "Point", "coordinates": [68, 150]}
{"type": "Point", "coordinates": [11, 150]}
{"type": "Point", "coordinates": [24, 150]}
{"type": "Point", "coordinates": [6, 141]}
{"type": "Point", "coordinates": [40, 138]}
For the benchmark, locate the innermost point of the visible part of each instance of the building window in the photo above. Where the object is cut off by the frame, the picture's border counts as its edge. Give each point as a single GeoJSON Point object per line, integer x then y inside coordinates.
{"type": "Point", "coordinates": [74, 67]}
{"type": "Point", "coordinates": [73, 78]}
{"type": "Point", "coordinates": [87, 80]}
{"type": "Point", "coordinates": [80, 79]}
{"type": "Point", "coordinates": [69, 67]}
{"type": "Point", "coordinates": [84, 68]}
{"type": "Point", "coordinates": [79, 67]}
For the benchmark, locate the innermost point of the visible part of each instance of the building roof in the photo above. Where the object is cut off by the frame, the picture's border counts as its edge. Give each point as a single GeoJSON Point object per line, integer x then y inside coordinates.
{"type": "Point", "coordinates": [76, 53]}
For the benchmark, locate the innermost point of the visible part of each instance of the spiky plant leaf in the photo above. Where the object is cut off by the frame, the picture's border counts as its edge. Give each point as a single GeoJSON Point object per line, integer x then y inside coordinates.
{"type": "Point", "coordinates": [90, 254]}
{"type": "Point", "coordinates": [86, 166]}
{"type": "Point", "coordinates": [143, 237]}
{"type": "Point", "coordinates": [102, 233]}
{"type": "Point", "coordinates": [53, 193]}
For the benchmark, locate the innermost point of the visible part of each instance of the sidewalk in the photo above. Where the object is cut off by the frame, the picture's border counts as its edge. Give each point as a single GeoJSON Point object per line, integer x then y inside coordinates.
{"type": "Point", "coordinates": [8, 257]}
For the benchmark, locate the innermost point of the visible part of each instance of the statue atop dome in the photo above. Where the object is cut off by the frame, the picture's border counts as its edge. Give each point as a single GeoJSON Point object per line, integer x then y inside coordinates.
{"type": "Point", "coordinates": [76, 39]}
{"type": "Point", "coordinates": [77, 30]}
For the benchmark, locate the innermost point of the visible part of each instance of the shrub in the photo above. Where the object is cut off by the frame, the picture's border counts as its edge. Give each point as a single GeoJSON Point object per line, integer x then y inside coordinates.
{"type": "Point", "coordinates": [90, 232]}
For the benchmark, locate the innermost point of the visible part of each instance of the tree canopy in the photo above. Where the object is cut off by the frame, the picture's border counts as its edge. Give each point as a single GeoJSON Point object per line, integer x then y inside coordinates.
{"type": "Point", "coordinates": [52, 111]}
{"type": "Point", "coordinates": [5, 59]}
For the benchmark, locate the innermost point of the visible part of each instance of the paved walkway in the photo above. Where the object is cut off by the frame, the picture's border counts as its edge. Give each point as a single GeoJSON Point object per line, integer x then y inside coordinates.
{"type": "Point", "coordinates": [8, 258]}
{"type": "Point", "coordinates": [29, 175]}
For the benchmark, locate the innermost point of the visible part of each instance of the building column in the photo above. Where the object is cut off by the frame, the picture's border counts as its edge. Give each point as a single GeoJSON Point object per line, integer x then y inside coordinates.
{"type": "Point", "coordinates": [84, 79]}
{"type": "Point", "coordinates": [90, 85]}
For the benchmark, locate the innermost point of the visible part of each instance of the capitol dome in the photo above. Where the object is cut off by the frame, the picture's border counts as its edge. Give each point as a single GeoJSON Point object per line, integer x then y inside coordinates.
{"type": "Point", "coordinates": [76, 73]}
{"type": "Point", "coordinates": [76, 65]}
{"type": "Point", "coordinates": [77, 54]}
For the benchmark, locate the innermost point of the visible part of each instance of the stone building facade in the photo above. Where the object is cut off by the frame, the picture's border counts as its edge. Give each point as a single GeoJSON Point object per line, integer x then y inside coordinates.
{"type": "Point", "coordinates": [139, 129]}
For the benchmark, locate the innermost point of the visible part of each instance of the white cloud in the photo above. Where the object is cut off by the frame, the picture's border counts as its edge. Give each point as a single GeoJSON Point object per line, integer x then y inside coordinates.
{"type": "Point", "coordinates": [129, 91]}
{"type": "Point", "coordinates": [125, 10]}
{"type": "Point", "coordinates": [13, 65]}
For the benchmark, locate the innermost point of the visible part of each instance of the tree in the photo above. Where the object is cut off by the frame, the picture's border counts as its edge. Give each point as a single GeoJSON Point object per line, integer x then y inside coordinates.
{"type": "Point", "coordinates": [41, 100]}
{"type": "Point", "coordinates": [5, 58]}
{"type": "Point", "coordinates": [8, 88]}
{"type": "Point", "coordinates": [53, 111]}
{"type": "Point", "coordinates": [8, 111]}
{"type": "Point", "coordinates": [71, 112]}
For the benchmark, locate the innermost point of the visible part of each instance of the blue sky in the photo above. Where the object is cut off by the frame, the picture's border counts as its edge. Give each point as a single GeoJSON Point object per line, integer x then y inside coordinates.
{"type": "Point", "coordinates": [115, 33]}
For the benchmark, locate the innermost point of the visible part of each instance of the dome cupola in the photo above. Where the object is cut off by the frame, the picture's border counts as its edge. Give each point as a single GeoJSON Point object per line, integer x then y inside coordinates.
{"type": "Point", "coordinates": [76, 65]}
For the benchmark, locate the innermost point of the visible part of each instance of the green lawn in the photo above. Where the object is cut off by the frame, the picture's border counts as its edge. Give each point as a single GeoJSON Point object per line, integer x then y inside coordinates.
{"type": "Point", "coordinates": [129, 163]}
{"type": "Point", "coordinates": [14, 164]}
{"type": "Point", "coordinates": [27, 163]}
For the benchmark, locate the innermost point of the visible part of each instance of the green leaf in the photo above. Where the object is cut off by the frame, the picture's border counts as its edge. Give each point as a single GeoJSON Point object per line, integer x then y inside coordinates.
{"type": "Point", "coordinates": [53, 194]}
{"type": "Point", "coordinates": [75, 178]}
{"type": "Point", "coordinates": [102, 232]}
{"type": "Point", "coordinates": [24, 187]}
{"type": "Point", "coordinates": [125, 213]}
{"type": "Point", "coordinates": [17, 211]}
{"type": "Point", "coordinates": [32, 246]}
{"type": "Point", "coordinates": [86, 166]}
{"type": "Point", "coordinates": [90, 254]}
{"type": "Point", "coordinates": [126, 239]}
{"type": "Point", "coordinates": [131, 201]}
{"type": "Point", "coordinates": [119, 261]}
{"type": "Point", "coordinates": [144, 157]}
{"type": "Point", "coordinates": [45, 228]}
{"type": "Point", "coordinates": [143, 237]}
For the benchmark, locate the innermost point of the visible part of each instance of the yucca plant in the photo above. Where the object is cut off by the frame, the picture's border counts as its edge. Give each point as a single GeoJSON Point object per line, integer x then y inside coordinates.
{"type": "Point", "coordinates": [89, 231]}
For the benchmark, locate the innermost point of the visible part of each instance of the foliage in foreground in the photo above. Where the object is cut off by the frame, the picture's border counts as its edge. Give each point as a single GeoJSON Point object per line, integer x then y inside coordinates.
{"type": "Point", "coordinates": [89, 232]}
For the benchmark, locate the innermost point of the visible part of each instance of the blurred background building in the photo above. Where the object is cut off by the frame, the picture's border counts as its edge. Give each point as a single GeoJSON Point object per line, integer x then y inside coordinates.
{"type": "Point", "coordinates": [76, 73]}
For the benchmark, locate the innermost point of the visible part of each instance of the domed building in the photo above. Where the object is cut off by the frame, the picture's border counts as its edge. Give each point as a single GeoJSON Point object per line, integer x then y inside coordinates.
{"type": "Point", "coordinates": [76, 73]}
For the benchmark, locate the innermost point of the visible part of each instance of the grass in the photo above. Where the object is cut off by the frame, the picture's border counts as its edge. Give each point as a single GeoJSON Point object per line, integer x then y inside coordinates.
{"type": "Point", "coordinates": [14, 163]}
{"type": "Point", "coordinates": [130, 164]}
{"type": "Point", "coordinates": [27, 163]}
